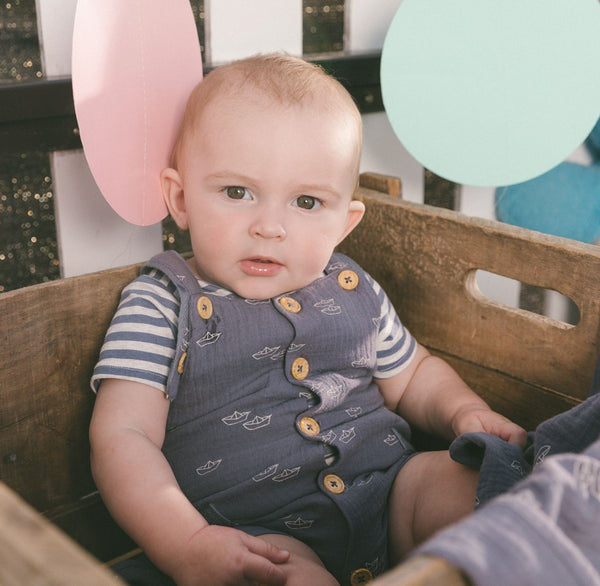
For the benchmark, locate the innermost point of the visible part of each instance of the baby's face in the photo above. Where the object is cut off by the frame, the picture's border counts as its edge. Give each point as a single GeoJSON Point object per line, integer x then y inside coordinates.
{"type": "Point", "coordinates": [267, 194]}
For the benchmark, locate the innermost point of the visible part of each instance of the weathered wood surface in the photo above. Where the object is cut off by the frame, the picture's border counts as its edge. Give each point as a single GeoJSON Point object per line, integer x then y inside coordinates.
{"type": "Point", "coordinates": [50, 338]}
{"type": "Point", "coordinates": [423, 571]}
{"type": "Point", "coordinates": [526, 366]}
{"type": "Point", "coordinates": [34, 553]}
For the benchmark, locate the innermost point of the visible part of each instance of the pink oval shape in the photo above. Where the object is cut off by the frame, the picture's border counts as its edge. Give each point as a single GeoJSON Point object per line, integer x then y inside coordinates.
{"type": "Point", "coordinates": [134, 66]}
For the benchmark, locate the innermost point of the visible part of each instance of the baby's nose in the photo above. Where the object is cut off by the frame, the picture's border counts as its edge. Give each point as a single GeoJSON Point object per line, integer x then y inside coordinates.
{"type": "Point", "coordinates": [268, 225]}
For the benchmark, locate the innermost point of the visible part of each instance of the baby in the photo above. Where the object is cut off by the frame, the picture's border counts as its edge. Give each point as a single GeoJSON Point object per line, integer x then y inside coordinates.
{"type": "Point", "coordinates": [251, 422]}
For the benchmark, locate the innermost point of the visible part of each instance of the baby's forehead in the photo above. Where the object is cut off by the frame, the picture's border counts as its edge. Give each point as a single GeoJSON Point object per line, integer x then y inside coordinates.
{"type": "Point", "coordinates": [306, 89]}
{"type": "Point", "coordinates": [231, 95]}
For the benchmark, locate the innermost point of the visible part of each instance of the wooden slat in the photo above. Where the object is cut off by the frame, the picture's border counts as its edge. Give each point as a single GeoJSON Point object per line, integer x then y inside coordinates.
{"type": "Point", "coordinates": [526, 366]}
{"type": "Point", "coordinates": [423, 571]}
{"type": "Point", "coordinates": [89, 523]}
{"type": "Point", "coordinates": [525, 403]}
{"type": "Point", "coordinates": [387, 184]}
{"type": "Point", "coordinates": [34, 553]}
{"type": "Point", "coordinates": [426, 260]}
{"type": "Point", "coordinates": [50, 343]}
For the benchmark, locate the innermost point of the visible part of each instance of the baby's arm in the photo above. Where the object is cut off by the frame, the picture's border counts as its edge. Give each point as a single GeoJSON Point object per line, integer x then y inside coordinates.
{"type": "Point", "coordinates": [136, 482]}
{"type": "Point", "coordinates": [431, 395]}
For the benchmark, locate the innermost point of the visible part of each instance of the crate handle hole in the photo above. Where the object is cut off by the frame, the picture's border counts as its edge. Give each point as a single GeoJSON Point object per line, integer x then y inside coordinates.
{"type": "Point", "coordinates": [539, 300]}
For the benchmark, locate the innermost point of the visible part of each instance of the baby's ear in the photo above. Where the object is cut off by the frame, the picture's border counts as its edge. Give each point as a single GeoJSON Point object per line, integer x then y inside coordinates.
{"type": "Point", "coordinates": [172, 190]}
{"type": "Point", "coordinates": [356, 211]}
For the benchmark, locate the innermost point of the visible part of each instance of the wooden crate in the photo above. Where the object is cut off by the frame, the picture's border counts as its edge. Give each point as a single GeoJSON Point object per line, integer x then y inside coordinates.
{"type": "Point", "coordinates": [526, 366]}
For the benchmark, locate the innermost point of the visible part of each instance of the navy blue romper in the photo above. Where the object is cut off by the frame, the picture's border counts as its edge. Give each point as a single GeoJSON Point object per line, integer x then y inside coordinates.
{"type": "Point", "coordinates": [275, 425]}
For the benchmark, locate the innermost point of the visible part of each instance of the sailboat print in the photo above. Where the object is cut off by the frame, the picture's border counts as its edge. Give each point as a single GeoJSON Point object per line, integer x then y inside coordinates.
{"type": "Point", "coordinates": [287, 474]}
{"type": "Point", "coordinates": [209, 467]}
{"type": "Point", "coordinates": [235, 418]}
{"type": "Point", "coordinates": [208, 338]}
{"type": "Point", "coordinates": [299, 523]}
{"type": "Point", "coordinates": [266, 473]}
{"type": "Point", "coordinates": [258, 422]}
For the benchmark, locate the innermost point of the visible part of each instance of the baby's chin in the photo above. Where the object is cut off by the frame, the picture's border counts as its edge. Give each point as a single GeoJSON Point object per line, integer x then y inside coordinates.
{"type": "Point", "coordinates": [265, 293]}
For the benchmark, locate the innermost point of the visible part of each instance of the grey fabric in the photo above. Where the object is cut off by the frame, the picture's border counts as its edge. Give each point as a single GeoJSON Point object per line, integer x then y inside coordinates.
{"type": "Point", "coordinates": [235, 439]}
{"type": "Point", "coordinates": [546, 528]}
{"type": "Point", "coordinates": [502, 464]}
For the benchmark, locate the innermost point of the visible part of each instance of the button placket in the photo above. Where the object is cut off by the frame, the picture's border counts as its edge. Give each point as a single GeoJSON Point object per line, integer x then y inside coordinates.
{"type": "Point", "coordinates": [290, 304]}
{"type": "Point", "coordinates": [334, 484]}
{"type": "Point", "coordinates": [348, 280]}
{"type": "Point", "coordinates": [361, 576]}
{"type": "Point", "coordinates": [309, 426]}
{"type": "Point", "coordinates": [204, 307]}
{"type": "Point", "coordinates": [300, 368]}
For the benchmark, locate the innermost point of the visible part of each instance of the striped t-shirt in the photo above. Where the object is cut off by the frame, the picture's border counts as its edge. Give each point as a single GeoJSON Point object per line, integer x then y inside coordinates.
{"type": "Point", "coordinates": [141, 340]}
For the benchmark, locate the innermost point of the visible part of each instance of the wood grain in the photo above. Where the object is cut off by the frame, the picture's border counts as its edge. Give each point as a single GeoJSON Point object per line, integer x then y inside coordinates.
{"type": "Point", "coordinates": [526, 366]}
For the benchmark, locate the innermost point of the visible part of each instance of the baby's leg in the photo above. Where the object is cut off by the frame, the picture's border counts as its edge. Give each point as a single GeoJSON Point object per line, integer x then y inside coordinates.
{"type": "Point", "coordinates": [430, 492]}
{"type": "Point", "coordinates": [304, 566]}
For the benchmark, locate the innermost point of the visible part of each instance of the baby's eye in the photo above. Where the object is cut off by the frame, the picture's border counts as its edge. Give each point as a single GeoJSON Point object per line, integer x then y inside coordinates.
{"type": "Point", "coordinates": [307, 202]}
{"type": "Point", "coordinates": [237, 192]}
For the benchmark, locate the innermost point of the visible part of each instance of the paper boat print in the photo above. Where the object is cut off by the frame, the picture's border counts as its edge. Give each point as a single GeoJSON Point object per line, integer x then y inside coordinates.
{"type": "Point", "coordinates": [208, 338]}
{"type": "Point", "coordinates": [354, 411]}
{"type": "Point", "coordinates": [287, 474]}
{"type": "Point", "coordinates": [266, 473]}
{"type": "Point", "coordinates": [258, 422]}
{"type": "Point", "coordinates": [329, 437]}
{"type": "Point", "coordinates": [235, 418]}
{"type": "Point", "coordinates": [295, 347]}
{"type": "Point", "coordinates": [299, 523]}
{"type": "Point", "coordinates": [265, 352]}
{"type": "Point", "coordinates": [209, 467]}
{"type": "Point", "coordinates": [347, 435]}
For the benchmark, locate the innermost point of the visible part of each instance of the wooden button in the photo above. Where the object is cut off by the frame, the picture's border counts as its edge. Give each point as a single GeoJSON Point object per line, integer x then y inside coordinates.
{"type": "Point", "coordinates": [300, 368]}
{"type": "Point", "coordinates": [290, 304]}
{"type": "Point", "coordinates": [361, 576]}
{"type": "Point", "coordinates": [181, 363]}
{"type": "Point", "coordinates": [334, 484]}
{"type": "Point", "coordinates": [348, 280]}
{"type": "Point", "coordinates": [309, 426]}
{"type": "Point", "coordinates": [204, 307]}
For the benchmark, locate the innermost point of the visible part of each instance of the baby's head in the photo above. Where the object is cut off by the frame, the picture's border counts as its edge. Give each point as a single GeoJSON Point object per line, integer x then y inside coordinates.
{"type": "Point", "coordinates": [263, 174]}
{"type": "Point", "coordinates": [277, 78]}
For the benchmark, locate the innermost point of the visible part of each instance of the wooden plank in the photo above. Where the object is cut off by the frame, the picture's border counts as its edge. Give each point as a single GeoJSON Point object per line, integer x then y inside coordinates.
{"type": "Point", "coordinates": [422, 571]}
{"type": "Point", "coordinates": [426, 260]}
{"type": "Point", "coordinates": [525, 403]}
{"type": "Point", "coordinates": [34, 553]}
{"type": "Point", "coordinates": [387, 184]}
{"type": "Point", "coordinates": [49, 348]}
{"type": "Point", "coordinates": [88, 522]}
{"type": "Point", "coordinates": [524, 365]}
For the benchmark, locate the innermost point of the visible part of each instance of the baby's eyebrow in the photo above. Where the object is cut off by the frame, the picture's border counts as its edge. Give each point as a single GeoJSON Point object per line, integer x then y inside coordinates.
{"type": "Point", "coordinates": [316, 188]}
{"type": "Point", "coordinates": [231, 177]}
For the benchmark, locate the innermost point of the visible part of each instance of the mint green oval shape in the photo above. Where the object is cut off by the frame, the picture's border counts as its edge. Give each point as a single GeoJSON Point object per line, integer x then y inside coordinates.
{"type": "Point", "coordinates": [492, 92]}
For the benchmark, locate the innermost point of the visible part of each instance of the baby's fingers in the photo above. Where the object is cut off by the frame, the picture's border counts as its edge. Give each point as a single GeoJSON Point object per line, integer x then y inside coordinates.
{"type": "Point", "coordinates": [260, 570]}
{"type": "Point", "coordinates": [515, 434]}
{"type": "Point", "coordinates": [261, 565]}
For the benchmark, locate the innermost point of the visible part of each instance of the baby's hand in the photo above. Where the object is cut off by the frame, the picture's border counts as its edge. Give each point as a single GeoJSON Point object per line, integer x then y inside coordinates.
{"type": "Point", "coordinates": [220, 556]}
{"type": "Point", "coordinates": [470, 419]}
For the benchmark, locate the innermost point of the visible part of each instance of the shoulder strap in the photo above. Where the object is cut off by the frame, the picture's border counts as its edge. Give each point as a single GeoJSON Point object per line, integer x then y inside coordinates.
{"type": "Point", "coordinates": [173, 265]}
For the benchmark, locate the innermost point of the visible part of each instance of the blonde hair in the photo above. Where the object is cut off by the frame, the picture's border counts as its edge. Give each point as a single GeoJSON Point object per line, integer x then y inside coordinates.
{"type": "Point", "coordinates": [287, 80]}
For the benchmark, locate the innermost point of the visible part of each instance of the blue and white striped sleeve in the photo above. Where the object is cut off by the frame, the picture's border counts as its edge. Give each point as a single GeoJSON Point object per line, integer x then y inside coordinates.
{"type": "Point", "coordinates": [396, 346]}
{"type": "Point", "coordinates": [140, 342]}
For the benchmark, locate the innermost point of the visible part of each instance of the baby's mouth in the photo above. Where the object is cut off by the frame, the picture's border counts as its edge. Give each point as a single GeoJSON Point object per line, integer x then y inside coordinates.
{"type": "Point", "coordinates": [261, 266]}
